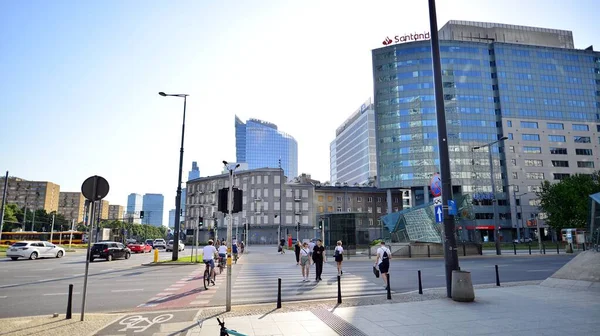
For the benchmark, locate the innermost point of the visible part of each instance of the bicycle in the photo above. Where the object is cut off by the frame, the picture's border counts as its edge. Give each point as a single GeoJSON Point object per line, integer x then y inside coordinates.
{"type": "Point", "coordinates": [207, 278]}
{"type": "Point", "coordinates": [221, 264]}
{"type": "Point", "coordinates": [228, 332]}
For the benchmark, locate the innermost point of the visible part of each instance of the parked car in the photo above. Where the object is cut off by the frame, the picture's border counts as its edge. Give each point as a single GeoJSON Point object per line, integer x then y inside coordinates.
{"type": "Point", "coordinates": [109, 251]}
{"type": "Point", "coordinates": [170, 246]}
{"type": "Point", "coordinates": [34, 250]}
{"type": "Point", "coordinates": [131, 241]}
{"type": "Point", "coordinates": [159, 243]}
{"type": "Point", "coordinates": [140, 248]}
{"type": "Point", "coordinates": [150, 242]}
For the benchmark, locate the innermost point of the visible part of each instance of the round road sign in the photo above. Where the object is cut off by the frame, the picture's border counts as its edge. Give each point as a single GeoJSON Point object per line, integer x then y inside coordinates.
{"type": "Point", "coordinates": [95, 188]}
{"type": "Point", "coordinates": [436, 185]}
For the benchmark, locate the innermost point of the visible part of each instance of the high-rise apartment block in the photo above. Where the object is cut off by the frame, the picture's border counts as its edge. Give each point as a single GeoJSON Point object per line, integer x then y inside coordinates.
{"type": "Point", "coordinates": [352, 153]}
{"type": "Point", "coordinates": [153, 205]}
{"type": "Point", "coordinates": [116, 212]}
{"type": "Point", "coordinates": [31, 194]}
{"type": "Point", "coordinates": [525, 83]}
{"type": "Point", "coordinates": [72, 206]}
{"type": "Point", "coordinates": [102, 209]}
{"type": "Point", "coordinates": [261, 145]}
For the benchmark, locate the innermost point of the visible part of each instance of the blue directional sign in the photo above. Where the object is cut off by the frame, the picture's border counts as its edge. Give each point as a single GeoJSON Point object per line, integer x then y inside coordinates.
{"type": "Point", "coordinates": [452, 208]}
{"type": "Point", "coordinates": [439, 214]}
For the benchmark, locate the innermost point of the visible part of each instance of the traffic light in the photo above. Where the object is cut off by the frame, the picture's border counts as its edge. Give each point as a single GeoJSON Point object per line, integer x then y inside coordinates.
{"type": "Point", "coordinates": [320, 225]}
{"type": "Point", "coordinates": [141, 214]}
{"type": "Point", "coordinates": [216, 223]}
{"type": "Point", "coordinates": [298, 227]}
{"type": "Point", "coordinates": [200, 221]}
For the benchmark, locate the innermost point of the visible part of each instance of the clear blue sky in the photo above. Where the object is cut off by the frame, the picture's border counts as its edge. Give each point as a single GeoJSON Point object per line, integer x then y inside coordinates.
{"type": "Point", "coordinates": [79, 79]}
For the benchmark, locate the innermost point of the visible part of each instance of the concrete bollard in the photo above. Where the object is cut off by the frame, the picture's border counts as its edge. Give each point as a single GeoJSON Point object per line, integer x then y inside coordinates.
{"type": "Point", "coordinates": [428, 252]}
{"type": "Point", "coordinates": [462, 287]}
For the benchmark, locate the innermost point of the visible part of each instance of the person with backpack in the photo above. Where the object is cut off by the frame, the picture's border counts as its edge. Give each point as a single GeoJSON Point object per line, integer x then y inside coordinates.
{"type": "Point", "coordinates": [338, 255]}
{"type": "Point", "coordinates": [383, 262]}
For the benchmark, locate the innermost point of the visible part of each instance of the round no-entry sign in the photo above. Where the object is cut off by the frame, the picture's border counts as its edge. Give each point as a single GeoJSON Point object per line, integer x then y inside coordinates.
{"type": "Point", "coordinates": [95, 188]}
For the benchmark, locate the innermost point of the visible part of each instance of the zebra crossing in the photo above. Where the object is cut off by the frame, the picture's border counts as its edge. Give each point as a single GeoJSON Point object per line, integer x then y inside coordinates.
{"type": "Point", "coordinates": [257, 283]}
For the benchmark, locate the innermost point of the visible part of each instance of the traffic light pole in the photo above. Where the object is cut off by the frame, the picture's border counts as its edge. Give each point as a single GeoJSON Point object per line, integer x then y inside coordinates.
{"type": "Point", "coordinates": [229, 233]}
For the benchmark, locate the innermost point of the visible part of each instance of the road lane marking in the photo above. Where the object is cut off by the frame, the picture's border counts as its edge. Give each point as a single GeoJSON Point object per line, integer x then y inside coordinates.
{"type": "Point", "coordinates": [127, 290]}
{"type": "Point", "coordinates": [26, 276]}
{"type": "Point", "coordinates": [541, 270]}
{"type": "Point", "coordinates": [51, 294]}
{"type": "Point", "coordinates": [3, 297]}
{"type": "Point", "coordinates": [51, 279]}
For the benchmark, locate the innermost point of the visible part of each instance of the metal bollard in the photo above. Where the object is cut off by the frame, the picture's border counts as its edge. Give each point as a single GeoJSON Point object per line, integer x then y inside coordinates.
{"type": "Point", "coordinates": [409, 252]}
{"type": "Point", "coordinates": [339, 290]}
{"type": "Point", "coordinates": [464, 250]}
{"type": "Point", "coordinates": [155, 255]}
{"type": "Point", "coordinates": [529, 248]}
{"type": "Point", "coordinates": [389, 287]}
{"type": "Point", "coordinates": [497, 276]}
{"type": "Point", "coordinates": [428, 252]}
{"type": "Point", "coordinates": [369, 252]}
{"type": "Point", "coordinates": [70, 302]}
{"type": "Point", "coordinates": [583, 246]}
{"type": "Point", "coordinates": [515, 248]}
{"type": "Point", "coordinates": [557, 249]}
{"type": "Point", "coordinates": [420, 284]}
{"type": "Point", "coordinates": [279, 293]}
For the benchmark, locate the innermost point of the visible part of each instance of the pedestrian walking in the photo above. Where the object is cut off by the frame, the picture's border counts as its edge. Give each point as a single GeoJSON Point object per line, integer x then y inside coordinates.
{"type": "Point", "coordinates": [311, 247]}
{"type": "Point", "coordinates": [305, 261]}
{"type": "Point", "coordinates": [338, 255]}
{"type": "Point", "coordinates": [297, 248]}
{"type": "Point", "coordinates": [383, 262]}
{"type": "Point", "coordinates": [319, 257]}
{"type": "Point", "coordinates": [281, 246]}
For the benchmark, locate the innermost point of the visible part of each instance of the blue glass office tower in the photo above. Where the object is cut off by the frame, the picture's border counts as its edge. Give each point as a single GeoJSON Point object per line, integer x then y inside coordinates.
{"type": "Point", "coordinates": [153, 207]}
{"type": "Point", "coordinates": [195, 172]}
{"type": "Point", "coordinates": [261, 145]}
{"type": "Point", "coordinates": [134, 206]}
{"type": "Point", "coordinates": [528, 84]}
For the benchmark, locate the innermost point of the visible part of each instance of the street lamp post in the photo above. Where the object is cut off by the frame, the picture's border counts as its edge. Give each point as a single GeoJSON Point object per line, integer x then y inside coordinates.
{"type": "Point", "coordinates": [178, 196]}
{"type": "Point", "coordinates": [494, 200]}
{"type": "Point", "coordinates": [229, 232]}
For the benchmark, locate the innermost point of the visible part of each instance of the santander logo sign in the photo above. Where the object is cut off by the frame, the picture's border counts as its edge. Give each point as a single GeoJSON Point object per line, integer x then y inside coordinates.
{"type": "Point", "coordinates": [406, 38]}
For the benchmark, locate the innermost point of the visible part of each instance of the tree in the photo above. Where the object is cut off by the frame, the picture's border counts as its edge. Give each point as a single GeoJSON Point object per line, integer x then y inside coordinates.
{"type": "Point", "coordinates": [12, 213]}
{"type": "Point", "coordinates": [567, 203]}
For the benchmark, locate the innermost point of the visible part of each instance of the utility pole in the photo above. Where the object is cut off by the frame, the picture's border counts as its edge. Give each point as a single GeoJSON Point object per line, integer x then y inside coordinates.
{"type": "Point", "coordinates": [33, 221]}
{"type": "Point", "coordinates": [52, 228]}
{"type": "Point", "coordinates": [3, 204]}
{"type": "Point", "coordinates": [229, 233]}
{"type": "Point", "coordinates": [450, 253]}
{"type": "Point", "coordinates": [280, 201]}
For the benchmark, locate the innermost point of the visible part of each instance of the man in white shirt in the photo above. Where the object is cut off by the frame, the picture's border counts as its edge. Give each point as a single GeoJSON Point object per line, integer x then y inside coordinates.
{"type": "Point", "coordinates": [383, 262]}
{"type": "Point", "coordinates": [208, 256]}
{"type": "Point", "coordinates": [311, 247]}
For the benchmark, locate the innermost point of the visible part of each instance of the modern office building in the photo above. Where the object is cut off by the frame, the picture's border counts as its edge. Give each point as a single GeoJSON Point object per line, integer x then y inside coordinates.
{"type": "Point", "coordinates": [134, 206]}
{"type": "Point", "coordinates": [352, 153]}
{"type": "Point", "coordinates": [72, 206]}
{"type": "Point", "coordinates": [261, 145]}
{"type": "Point", "coordinates": [31, 194]}
{"type": "Point", "coordinates": [526, 83]}
{"type": "Point", "coordinates": [195, 172]}
{"type": "Point", "coordinates": [116, 212]}
{"type": "Point", "coordinates": [172, 218]}
{"type": "Point", "coordinates": [153, 205]}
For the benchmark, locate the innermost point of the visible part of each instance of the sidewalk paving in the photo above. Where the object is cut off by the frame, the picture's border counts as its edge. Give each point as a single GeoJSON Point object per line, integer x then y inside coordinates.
{"type": "Point", "coordinates": [524, 310]}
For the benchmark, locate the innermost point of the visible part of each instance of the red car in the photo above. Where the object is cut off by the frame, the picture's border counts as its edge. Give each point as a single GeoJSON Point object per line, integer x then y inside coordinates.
{"type": "Point", "coordinates": [140, 248]}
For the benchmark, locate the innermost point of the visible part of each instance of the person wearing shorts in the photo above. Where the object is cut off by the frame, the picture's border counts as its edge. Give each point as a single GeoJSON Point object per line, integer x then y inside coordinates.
{"type": "Point", "coordinates": [305, 261]}
{"type": "Point", "coordinates": [223, 251]}
{"type": "Point", "coordinates": [208, 257]}
{"type": "Point", "coordinates": [338, 254]}
{"type": "Point", "coordinates": [383, 261]}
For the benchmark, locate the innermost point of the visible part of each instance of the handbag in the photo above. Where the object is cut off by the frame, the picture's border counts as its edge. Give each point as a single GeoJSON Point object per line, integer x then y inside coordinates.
{"type": "Point", "coordinates": [376, 271]}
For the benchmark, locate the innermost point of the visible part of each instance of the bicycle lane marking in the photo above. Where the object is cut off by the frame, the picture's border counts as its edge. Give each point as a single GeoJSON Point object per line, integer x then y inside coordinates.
{"type": "Point", "coordinates": [146, 323]}
{"type": "Point", "coordinates": [183, 293]}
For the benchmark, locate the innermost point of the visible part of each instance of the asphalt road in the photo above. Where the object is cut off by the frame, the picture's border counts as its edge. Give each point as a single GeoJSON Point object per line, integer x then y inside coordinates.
{"type": "Point", "coordinates": [39, 287]}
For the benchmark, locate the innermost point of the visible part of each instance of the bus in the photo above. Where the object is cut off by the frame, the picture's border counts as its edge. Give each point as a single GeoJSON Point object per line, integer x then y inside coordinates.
{"type": "Point", "coordinates": [58, 237]}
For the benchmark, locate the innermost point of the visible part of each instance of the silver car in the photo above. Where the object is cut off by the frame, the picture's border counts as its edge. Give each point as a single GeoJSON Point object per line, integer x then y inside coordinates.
{"type": "Point", "coordinates": [159, 243]}
{"type": "Point", "coordinates": [34, 249]}
{"type": "Point", "coordinates": [170, 246]}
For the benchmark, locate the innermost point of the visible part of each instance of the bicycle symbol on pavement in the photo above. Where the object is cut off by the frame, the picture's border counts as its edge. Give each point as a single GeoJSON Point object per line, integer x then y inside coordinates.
{"type": "Point", "coordinates": [139, 323]}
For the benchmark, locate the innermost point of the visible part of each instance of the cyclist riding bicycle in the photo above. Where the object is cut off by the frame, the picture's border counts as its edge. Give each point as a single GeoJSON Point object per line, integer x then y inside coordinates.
{"type": "Point", "coordinates": [222, 251]}
{"type": "Point", "coordinates": [234, 250]}
{"type": "Point", "coordinates": [208, 257]}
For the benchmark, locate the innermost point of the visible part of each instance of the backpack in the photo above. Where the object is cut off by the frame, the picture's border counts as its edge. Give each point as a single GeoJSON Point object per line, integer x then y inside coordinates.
{"type": "Point", "coordinates": [337, 253]}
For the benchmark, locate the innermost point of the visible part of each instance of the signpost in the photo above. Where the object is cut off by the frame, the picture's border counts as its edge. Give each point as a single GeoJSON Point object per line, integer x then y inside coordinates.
{"type": "Point", "coordinates": [439, 214]}
{"type": "Point", "coordinates": [94, 188]}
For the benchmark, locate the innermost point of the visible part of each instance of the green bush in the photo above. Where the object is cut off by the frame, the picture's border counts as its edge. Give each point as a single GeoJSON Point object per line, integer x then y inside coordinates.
{"type": "Point", "coordinates": [376, 242]}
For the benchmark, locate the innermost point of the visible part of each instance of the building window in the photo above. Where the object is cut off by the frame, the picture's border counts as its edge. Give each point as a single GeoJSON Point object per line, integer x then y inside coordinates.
{"type": "Point", "coordinates": [558, 150]}
{"type": "Point", "coordinates": [582, 139]}
{"type": "Point", "coordinates": [556, 126]}
{"type": "Point", "coordinates": [339, 198]}
{"type": "Point", "coordinates": [329, 198]}
{"type": "Point", "coordinates": [320, 198]}
{"type": "Point", "coordinates": [583, 151]}
{"type": "Point", "coordinates": [359, 199]}
{"type": "Point", "coordinates": [556, 138]}
{"type": "Point", "coordinates": [513, 161]}
{"type": "Point", "coordinates": [516, 187]}
{"type": "Point", "coordinates": [339, 209]}
{"type": "Point", "coordinates": [535, 176]}
{"type": "Point", "coordinates": [533, 163]}
{"type": "Point", "coordinates": [560, 176]}
{"type": "Point", "coordinates": [580, 127]}
{"type": "Point", "coordinates": [329, 209]}
{"type": "Point", "coordinates": [370, 221]}
{"type": "Point", "coordinates": [378, 199]}
{"type": "Point", "coordinates": [370, 210]}
{"type": "Point", "coordinates": [358, 209]}
{"type": "Point", "coordinates": [585, 164]}
{"type": "Point", "coordinates": [349, 210]}
{"type": "Point", "coordinates": [530, 137]}
{"type": "Point", "coordinates": [321, 208]}
{"type": "Point", "coordinates": [560, 163]}
{"type": "Point", "coordinates": [396, 200]}
{"type": "Point", "coordinates": [535, 188]}
{"type": "Point", "coordinates": [510, 136]}
{"type": "Point", "coordinates": [370, 199]}
{"type": "Point", "coordinates": [511, 149]}
{"type": "Point", "coordinates": [515, 175]}
{"type": "Point", "coordinates": [529, 124]}
{"type": "Point", "coordinates": [532, 150]}
{"type": "Point", "coordinates": [378, 210]}
{"type": "Point", "coordinates": [509, 123]}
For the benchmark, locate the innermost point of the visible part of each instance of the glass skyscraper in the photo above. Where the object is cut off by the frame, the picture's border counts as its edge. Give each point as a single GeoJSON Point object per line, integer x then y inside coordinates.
{"type": "Point", "coordinates": [261, 145]}
{"type": "Point", "coordinates": [195, 172]}
{"type": "Point", "coordinates": [134, 206]}
{"type": "Point", "coordinates": [153, 209]}
{"type": "Point", "coordinates": [528, 84]}
{"type": "Point", "coordinates": [352, 153]}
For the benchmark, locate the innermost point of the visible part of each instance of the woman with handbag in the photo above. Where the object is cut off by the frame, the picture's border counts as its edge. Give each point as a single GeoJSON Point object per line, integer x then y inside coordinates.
{"type": "Point", "coordinates": [383, 262]}
{"type": "Point", "coordinates": [338, 255]}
